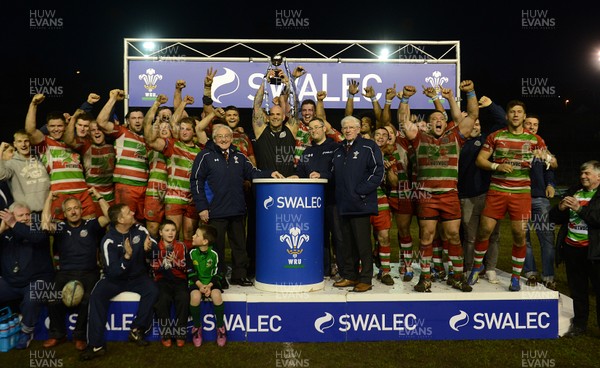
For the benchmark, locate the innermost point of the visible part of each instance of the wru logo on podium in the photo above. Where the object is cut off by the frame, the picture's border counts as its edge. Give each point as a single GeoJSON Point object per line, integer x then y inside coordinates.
{"type": "Point", "coordinates": [294, 241]}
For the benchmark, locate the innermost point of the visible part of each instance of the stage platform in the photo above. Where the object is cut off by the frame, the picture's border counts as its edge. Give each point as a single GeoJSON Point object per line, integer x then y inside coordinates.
{"type": "Point", "coordinates": [384, 313]}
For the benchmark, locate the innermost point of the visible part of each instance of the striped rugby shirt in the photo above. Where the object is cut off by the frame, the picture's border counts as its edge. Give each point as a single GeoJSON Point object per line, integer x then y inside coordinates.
{"type": "Point", "coordinates": [437, 160]}
{"type": "Point", "coordinates": [131, 167]}
{"type": "Point", "coordinates": [179, 167]}
{"type": "Point", "coordinates": [577, 234]}
{"type": "Point", "coordinates": [302, 140]}
{"type": "Point", "coordinates": [401, 153]}
{"type": "Point", "coordinates": [516, 150]}
{"type": "Point", "coordinates": [157, 179]}
{"type": "Point", "coordinates": [63, 166]}
{"type": "Point", "coordinates": [382, 200]}
{"type": "Point", "coordinates": [99, 165]}
{"type": "Point", "coordinates": [242, 142]}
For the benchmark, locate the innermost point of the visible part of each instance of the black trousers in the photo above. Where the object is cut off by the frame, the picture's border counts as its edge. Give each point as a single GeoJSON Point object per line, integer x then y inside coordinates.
{"type": "Point", "coordinates": [233, 229]}
{"type": "Point", "coordinates": [105, 290]}
{"type": "Point", "coordinates": [357, 248]}
{"type": "Point", "coordinates": [251, 229]}
{"type": "Point", "coordinates": [172, 293]}
{"type": "Point", "coordinates": [580, 273]}
{"type": "Point", "coordinates": [57, 311]}
{"type": "Point", "coordinates": [333, 237]}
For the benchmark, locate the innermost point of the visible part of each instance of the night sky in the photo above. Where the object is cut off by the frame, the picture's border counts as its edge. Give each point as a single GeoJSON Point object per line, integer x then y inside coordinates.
{"type": "Point", "coordinates": [504, 48]}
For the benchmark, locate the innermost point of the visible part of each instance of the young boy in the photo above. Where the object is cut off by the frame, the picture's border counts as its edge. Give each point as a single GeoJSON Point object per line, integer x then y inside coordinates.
{"type": "Point", "coordinates": [204, 282]}
{"type": "Point", "coordinates": [170, 274]}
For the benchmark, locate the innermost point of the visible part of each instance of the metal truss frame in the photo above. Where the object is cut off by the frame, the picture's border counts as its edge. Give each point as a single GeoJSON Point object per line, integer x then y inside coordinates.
{"type": "Point", "coordinates": [296, 51]}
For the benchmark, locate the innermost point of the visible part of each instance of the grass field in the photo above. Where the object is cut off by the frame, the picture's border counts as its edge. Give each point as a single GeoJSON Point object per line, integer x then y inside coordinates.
{"type": "Point", "coordinates": [583, 351]}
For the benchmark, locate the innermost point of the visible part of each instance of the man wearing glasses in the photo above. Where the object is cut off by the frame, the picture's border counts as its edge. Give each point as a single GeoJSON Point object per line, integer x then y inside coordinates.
{"type": "Point", "coordinates": [315, 163]}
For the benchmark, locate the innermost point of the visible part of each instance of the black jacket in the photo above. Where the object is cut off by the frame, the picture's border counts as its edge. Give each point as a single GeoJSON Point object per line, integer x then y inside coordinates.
{"type": "Point", "coordinates": [218, 185]}
{"type": "Point", "coordinates": [25, 255]}
{"type": "Point", "coordinates": [590, 214]}
{"type": "Point", "coordinates": [357, 174]}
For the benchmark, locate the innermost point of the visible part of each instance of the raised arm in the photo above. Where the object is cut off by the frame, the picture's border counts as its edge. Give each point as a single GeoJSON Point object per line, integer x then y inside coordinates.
{"type": "Point", "coordinates": [386, 113]}
{"type": "Point", "coordinates": [201, 125]}
{"type": "Point", "coordinates": [88, 105]}
{"type": "Point", "coordinates": [409, 128]}
{"type": "Point", "coordinates": [69, 134]}
{"type": "Point", "coordinates": [180, 110]}
{"type": "Point", "coordinates": [103, 118]}
{"type": "Point", "coordinates": [369, 93]}
{"type": "Point", "coordinates": [47, 223]}
{"type": "Point", "coordinates": [207, 98]}
{"type": "Point", "coordinates": [466, 125]}
{"type": "Point", "coordinates": [36, 135]}
{"type": "Point", "coordinates": [179, 86]}
{"type": "Point", "coordinates": [150, 133]}
{"type": "Point", "coordinates": [455, 112]}
{"type": "Point", "coordinates": [491, 115]}
{"type": "Point", "coordinates": [104, 219]}
{"type": "Point", "coordinates": [258, 116]}
{"type": "Point", "coordinates": [431, 92]}
{"type": "Point", "coordinates": [352, 90]}
{"type": "Point", "coordinates": [320, 112]}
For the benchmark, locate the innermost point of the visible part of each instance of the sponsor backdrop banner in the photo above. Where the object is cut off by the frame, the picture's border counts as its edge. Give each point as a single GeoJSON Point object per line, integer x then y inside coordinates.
{"type": "Point", "coordinates": [236, 82]}
{"type": "Point", "coordinates": [122, 313]}
{"type": "Point", "coordinates": [296, 321]}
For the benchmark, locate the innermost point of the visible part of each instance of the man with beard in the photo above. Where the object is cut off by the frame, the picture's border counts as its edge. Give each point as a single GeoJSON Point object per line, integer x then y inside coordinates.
{"type": "Point", "coordinates": [275, 140]}
{"type": "Point", "coordinates": [315, 163]}
{"type": "Point", "coordinates": [437, 175]}
{"type": "Point", "coordinates": [131, 166]}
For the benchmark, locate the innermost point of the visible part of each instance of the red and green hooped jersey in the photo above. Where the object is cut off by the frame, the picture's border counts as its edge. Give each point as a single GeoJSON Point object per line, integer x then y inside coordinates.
{"type": "Point", "coordinates": [99, 165]}
{"type": "Point", "coordinates": [302, 140]}
{"type": "Point", "coordinates": [382, 200]}
{"type": "Point", "coordinates": [437, 160]}
{"type": "Point", "coordinates": [131, 167]}
{"type": "Point", "coordinates": [63, 166]}
{"type": "Point", "coordinates": [242, 142]}
{"type": "Point", "coordinates": [517, 151]}
{"type": "Point", "coordinates": [577, 234]}
{"type": "Point", "coordinates": [157, 179]}
{"type": "Point", "coordinates": [402, 151]}
{"type": "Point", "coordinates": [179, 167]}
